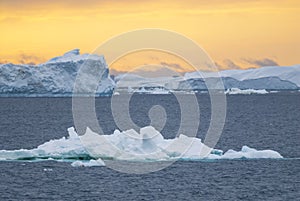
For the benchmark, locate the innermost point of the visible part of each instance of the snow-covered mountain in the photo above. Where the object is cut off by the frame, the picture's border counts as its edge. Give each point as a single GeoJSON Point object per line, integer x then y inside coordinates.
{"type": "Point", "coordinates": [54, 77]}
{"type": "Point", "coordinates": [269, 83]}
{"type": "Point", "coordinates": [286, 73]}
{"type": "Point", "coordinates": [270, 78]}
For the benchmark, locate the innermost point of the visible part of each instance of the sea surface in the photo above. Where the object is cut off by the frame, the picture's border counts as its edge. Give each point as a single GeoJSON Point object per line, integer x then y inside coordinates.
{"type": "Point", "coordinates": [270, 121]}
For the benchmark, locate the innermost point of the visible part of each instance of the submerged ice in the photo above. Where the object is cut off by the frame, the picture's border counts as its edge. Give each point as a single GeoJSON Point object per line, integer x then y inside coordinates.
{"type": "Point", "coordinates": [91, 149]}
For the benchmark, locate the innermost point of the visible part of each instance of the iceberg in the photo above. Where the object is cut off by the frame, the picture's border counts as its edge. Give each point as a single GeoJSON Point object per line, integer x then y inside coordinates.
{"type": "Point", "coordinates": [148, 145]}
{"type": "Point", "coordinates": [55, 77]}
{"type": "Point", "coordinates": [64, 148]}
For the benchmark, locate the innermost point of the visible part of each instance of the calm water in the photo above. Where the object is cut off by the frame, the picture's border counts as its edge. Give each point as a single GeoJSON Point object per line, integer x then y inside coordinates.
{"type": "Point", "coordinates": [259, 121]}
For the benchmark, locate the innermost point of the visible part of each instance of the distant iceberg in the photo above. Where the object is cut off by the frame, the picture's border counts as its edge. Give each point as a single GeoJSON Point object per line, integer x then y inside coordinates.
{"type": "Point", "coordinates": [147, 145]}
{"type": "Point", "coordinates": [234, 91]}
{"type": "Point", "coordinates": [151, 90]}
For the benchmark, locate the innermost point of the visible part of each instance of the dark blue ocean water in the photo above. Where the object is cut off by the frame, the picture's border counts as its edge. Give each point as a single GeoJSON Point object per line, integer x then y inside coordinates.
{"type": "Point", "coordinates": [260, 121]}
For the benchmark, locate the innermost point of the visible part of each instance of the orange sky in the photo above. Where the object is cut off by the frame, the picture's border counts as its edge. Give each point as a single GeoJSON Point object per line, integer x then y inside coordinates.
{"type": "Point", "coordinates": [235, 33]}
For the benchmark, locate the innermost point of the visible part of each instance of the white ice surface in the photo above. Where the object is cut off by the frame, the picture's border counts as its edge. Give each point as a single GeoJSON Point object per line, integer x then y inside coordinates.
{"type": "Point", "coordinates": [90, 163]}
{"type": "Point", "coordinates": [147, 145]}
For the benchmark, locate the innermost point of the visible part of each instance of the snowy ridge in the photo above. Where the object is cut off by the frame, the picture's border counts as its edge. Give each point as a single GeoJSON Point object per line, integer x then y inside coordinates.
{"type": "Point", "coordinates": [148, 145]}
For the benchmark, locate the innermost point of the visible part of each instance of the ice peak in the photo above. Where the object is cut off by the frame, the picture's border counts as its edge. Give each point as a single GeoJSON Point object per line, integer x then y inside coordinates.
{"type": "Point", "coordinates": [74, 52]}
{"type": "Point", "coordinates": [74, 56]}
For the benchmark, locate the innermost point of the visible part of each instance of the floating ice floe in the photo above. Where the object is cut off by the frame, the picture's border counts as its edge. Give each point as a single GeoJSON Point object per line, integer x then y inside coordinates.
{"type": "Point", "coordinates": [274, 92]}
{"type": "Point", "coordinates": [234, 91]}
{"type": "Point", "coordinates": [90, 163]}
{"type": "Point", "coordinates": [247, 153]}
{"type": "Point", "coordinates": [148, 145]}
{"type": "Point", "coordinates": [151, 90]}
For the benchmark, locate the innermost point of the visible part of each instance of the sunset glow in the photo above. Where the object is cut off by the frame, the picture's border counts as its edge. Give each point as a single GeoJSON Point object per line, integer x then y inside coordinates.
{"type": "Point", "coordinates": [236, 34]}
